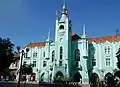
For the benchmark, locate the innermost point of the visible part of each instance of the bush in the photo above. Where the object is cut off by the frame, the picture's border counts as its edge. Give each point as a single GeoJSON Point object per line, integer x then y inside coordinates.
{"type": "Point", "coordinates": [62, 79]}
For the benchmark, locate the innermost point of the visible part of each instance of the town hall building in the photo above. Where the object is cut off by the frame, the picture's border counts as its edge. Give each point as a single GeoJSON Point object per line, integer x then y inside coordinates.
{"type": "Point", "coordinates": [72, 55]}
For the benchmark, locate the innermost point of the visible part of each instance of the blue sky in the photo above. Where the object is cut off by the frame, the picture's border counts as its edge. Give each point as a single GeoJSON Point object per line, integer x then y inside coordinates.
{"type": "Point", "coordinates": [25, 21]}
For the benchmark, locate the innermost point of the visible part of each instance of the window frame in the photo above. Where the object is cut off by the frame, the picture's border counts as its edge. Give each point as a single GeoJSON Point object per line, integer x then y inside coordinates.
{"type": "Point", "coordinates": [35, 54]}
{"type": "Point", "coordinates": [44, 63]}
{"type": "Point", "coordinates": [34, 63]}
{"type": "Point", "coordinates": [44, 54]}
{"type": "Point", "coordinates": [107, 62]}
{"type": "Point", "coordinates": [61, 53]}
{"type": "Point", "coordinates": [53, 55]}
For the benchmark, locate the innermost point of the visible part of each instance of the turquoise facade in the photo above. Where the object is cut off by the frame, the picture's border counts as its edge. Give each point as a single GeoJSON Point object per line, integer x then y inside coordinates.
{"type": "Point", "coordinates": [70, 55]}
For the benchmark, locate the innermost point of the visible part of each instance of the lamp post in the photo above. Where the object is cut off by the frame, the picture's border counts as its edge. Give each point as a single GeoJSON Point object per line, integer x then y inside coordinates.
{"type": "Point", "coordinates": [23, 54]}
{"type": "Point", "coordinates": [48, 68]}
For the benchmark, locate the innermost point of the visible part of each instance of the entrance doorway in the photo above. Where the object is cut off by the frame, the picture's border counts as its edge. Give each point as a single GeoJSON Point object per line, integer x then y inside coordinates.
{"type": "Point", "coordinates": [59, 74]}
{"type": "Point", "coordinates": [77, 77]}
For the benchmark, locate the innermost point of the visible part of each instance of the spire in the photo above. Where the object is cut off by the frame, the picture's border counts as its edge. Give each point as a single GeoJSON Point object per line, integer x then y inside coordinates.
{"type": "Point", "coordinates": [64, 5]}
{"type": "Point", "coordinates": [49, 34]}
{"type": "Point", "coordinates": [84, 31]}
{"type": "Point", "coordinates": [64, 10]}
{"type": "Point", "coordinates": [56, 15]}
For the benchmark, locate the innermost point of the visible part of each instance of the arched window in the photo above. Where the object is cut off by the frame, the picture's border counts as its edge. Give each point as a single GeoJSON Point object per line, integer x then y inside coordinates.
{"type": "Point", "coordinates": [61, 27]}
{"type": "Point", "coordinates": [77, 55]}
{"type": "Point", "coordinates": [53, 55]}
{"type": "Point", "coordinates": [61, 53]}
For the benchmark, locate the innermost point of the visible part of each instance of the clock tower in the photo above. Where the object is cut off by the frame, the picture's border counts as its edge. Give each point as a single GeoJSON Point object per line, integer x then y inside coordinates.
{"type": "Point", "coordinates": [63, 42]}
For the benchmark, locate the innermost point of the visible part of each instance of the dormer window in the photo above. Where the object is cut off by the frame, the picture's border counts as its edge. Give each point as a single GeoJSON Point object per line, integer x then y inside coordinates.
{"type": "Point", "coordinates": [61, 27]}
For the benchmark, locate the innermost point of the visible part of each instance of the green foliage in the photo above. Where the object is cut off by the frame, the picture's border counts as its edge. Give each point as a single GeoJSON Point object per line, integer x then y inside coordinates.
{"type": "Point", "coordinates": [26, 69]}
{"type": "Point", "coordinates": [6, 53]}
{"type": "Point", "coordinates": [62, 79]}
{"type": "Point", "coordinates": [109, 79]}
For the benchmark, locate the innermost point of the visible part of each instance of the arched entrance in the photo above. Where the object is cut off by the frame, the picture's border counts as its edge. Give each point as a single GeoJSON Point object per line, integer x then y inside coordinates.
{"type": "Point", "coordinates": [42, 76]}
{"type": "Point", "coordinates": [77, 77]}
{"type": "Point", "coordinates": [94, 78]}
{"type": "Point", "coordinates": [59, 74]}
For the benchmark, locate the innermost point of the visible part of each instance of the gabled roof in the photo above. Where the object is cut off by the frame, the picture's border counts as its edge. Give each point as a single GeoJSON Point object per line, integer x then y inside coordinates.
{"type": "Point", "coordinates": [104, 39]}
{"type": "Point", "coordinates": [73, 33]}
{"type": "Point", "coordinates": [39, 44]}
{"type": "Point", "coordinates": [75, 36]}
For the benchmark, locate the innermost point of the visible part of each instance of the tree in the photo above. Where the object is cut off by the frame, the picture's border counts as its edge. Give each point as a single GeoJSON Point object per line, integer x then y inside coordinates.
{"type": "Point", "coordinates": [94, 79]}
{"type": "Point", "coordinates": [6, 53]}
{"type": "Point", "coordinates": [26, 69]}
{"type": "Point", "coordinates": [109, 79]}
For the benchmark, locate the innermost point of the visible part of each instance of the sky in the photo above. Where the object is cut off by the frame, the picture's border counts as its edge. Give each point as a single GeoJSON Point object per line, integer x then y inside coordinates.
{"type": "Point", "coordinates": [25, 21]}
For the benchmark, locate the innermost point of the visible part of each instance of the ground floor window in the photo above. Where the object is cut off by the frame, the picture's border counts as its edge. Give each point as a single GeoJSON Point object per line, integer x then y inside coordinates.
{"type": "Point", "coordinates": [107, 61]}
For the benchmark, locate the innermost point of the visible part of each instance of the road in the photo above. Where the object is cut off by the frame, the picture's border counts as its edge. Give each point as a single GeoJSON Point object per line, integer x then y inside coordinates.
{"type": "Point", "coordinates": [14, 84]}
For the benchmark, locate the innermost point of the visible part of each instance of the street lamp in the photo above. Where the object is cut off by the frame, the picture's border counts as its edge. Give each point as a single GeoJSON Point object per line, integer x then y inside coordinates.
{"type": "Point", "coordinates": [48, 68]}
{"type": "Point", "coordinates": [23, 54]}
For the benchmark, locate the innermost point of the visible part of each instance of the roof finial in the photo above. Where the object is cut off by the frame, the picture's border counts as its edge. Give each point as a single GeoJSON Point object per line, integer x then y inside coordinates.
{"type": "Point", "coordinates": [64, 4]}
{"type": "Point", "coordinates": [57, 14]}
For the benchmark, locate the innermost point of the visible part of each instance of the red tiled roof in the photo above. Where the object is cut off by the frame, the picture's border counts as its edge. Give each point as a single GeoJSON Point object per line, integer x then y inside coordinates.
{"type": "Point", "coordinates": [39, 44]}
{"type": "Point", "coordinates": [104, 39]}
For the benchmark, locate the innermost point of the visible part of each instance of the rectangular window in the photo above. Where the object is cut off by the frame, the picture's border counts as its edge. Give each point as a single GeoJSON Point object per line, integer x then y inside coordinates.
{"type": "Point", "coordinates": [107, 61]}
{"type": "Point", "coordinates": [34, 63]}
{"type": "Point", "coordinates": [107, 50]}
{"type": "Point", "coordinates": [43, 54]}
{"type": "Point", "coordinates": [44, 63]}
{"type": "Point", "coordinates": [61, 57]}
{"type": "Point", "coordinates": [93, 62]}
{"type": "Point", "coordinates": [34, 54]}
{"type": "Point", "coordinates": [60, 63]}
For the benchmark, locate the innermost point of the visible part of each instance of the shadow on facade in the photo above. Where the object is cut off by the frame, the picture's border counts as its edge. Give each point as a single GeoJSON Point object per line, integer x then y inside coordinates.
{"type": "Point", "coordinates": [77, 77]}
{"type": "Point", "coordinates": [91, 62]}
